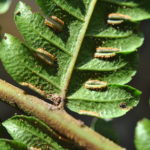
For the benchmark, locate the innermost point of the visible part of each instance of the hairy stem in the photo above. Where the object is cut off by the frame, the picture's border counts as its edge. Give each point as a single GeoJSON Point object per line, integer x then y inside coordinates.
{"type": "Point", "coordinates": [59, 120]}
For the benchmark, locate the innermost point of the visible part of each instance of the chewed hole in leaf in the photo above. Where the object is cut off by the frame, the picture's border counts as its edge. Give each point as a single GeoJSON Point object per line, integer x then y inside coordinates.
{"type": "Point", "coordinates": [123, 105]}
{"type": "Point", "coordinates": [95, 85]}
{"type": "Point", "coordinates": [55, 23]}
{"type": "Point", "coordinates": [18, 13]}
{"type": "Point", "coordinates": [105, 52]}
{"type": "Point", "coordinates": [45, 56]}
{"type": "Point", "coordinates": [117, 18]}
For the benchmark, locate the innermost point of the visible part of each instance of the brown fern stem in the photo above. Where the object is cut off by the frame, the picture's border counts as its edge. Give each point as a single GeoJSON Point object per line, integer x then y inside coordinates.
{"type": "Point", "coordinates": [59, 120]}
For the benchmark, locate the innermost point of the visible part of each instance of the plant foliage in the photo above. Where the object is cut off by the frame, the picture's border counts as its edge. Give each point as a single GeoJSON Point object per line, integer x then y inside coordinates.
{"type": "Point", "coordinates": [4, 5]}
{"type": "Point", "coordinates": [142, 135]}
{"type": "Point", "coordinates": [11, 145]}
{"type": "Point", "coordinates": [34, 133]}
{"type": "Point", "coordinates": [68, 61]}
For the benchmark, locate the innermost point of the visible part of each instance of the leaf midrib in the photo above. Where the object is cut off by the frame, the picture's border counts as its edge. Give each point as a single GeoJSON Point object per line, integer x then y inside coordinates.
{"type": "Point", "coordinates": [77, 48]}
{"type": "Point", "coordinates": [99, 101]}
